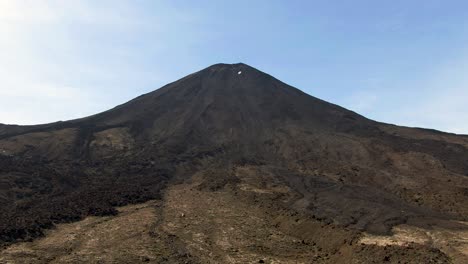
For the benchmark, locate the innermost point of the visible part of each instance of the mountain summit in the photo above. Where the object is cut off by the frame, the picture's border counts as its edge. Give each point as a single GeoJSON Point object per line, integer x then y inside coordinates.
{"type": "Point", "coordinates": [220, 104]}
{"type": "Point", "coordinates": [233, 133]}
{"type": "Point", "coordinates": [238, 95]}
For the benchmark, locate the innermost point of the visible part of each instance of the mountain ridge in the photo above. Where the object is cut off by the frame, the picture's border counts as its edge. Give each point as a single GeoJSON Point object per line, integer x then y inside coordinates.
{"type": "Point", "coordinates": [234, 67]}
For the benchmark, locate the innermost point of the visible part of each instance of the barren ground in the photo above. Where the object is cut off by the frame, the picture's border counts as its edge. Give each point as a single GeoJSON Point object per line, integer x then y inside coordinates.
{"type": "Point", "coordinates": [234, 224]}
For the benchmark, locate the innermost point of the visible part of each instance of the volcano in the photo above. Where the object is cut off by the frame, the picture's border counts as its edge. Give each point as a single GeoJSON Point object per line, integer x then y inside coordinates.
{"type": "Point", "coordinates": [320, 180]}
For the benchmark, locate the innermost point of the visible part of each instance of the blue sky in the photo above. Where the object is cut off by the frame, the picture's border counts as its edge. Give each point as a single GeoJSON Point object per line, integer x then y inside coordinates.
{"type": "Point", "coordinates": [402, 62]}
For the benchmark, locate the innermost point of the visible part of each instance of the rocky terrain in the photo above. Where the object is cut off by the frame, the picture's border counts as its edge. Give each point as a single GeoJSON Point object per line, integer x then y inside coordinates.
{"type": "Point", "coordinates": [230, 165]}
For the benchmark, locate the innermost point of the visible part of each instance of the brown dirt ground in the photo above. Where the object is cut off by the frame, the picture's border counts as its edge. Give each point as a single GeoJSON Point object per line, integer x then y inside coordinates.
{"type": "Point", "coordinates": [235, 224]}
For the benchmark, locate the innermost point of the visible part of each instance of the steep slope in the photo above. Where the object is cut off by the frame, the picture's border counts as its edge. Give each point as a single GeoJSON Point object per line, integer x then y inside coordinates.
{"type": "Point", "coordinates": [234, 127]}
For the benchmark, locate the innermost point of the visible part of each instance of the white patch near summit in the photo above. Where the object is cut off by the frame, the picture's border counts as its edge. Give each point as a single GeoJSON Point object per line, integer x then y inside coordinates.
{"type": "Point", "coordinates": [239, 72]}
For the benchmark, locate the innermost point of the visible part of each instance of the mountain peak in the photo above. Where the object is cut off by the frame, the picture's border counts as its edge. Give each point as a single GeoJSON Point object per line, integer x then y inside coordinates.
{"type": "Point", "coordinates": [226, 102]}
{"type": "Point", "coordinates": [232, 65]}
{"type": "Point", "coordinates": [234, 68]}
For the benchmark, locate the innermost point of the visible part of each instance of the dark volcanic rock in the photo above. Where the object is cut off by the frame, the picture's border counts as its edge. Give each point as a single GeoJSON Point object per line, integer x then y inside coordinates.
{"type": "Point", "coordinates": [340, 167]}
